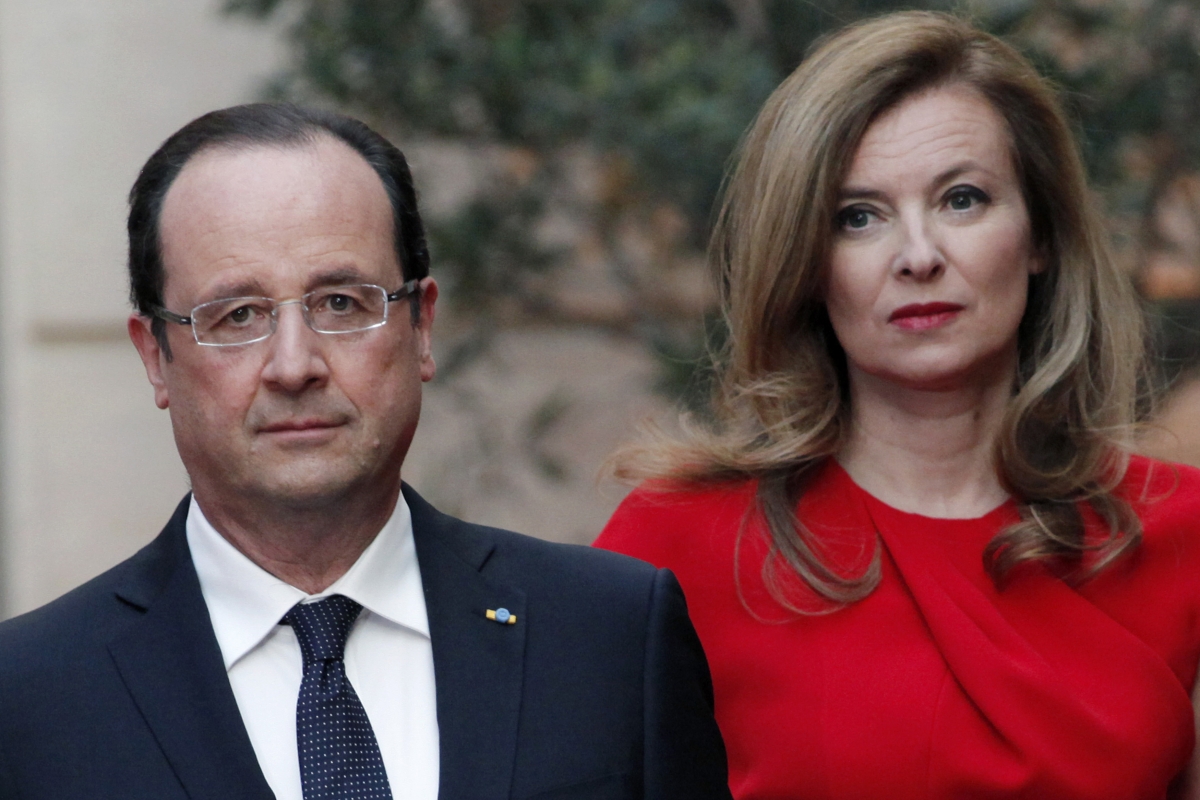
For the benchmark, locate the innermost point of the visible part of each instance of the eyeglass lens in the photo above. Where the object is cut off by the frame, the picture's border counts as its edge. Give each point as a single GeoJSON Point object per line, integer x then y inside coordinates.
{"type": "Point", "coordinates": [332, 309]}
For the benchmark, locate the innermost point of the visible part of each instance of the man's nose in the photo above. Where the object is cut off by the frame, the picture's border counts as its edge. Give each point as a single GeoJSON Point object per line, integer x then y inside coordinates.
{"type": "Point", "coordinates": [296, 353]}
{"type": "Point", "coordinates": [920, 256]}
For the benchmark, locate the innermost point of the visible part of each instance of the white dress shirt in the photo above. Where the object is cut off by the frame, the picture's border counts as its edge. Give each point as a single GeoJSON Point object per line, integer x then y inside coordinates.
{"type": "Point", "coordinates": [389, 658]}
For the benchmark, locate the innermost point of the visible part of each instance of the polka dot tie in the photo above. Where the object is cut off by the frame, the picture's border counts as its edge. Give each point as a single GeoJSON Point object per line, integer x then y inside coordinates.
{"type": "Point", "coordinates": [339, 757]}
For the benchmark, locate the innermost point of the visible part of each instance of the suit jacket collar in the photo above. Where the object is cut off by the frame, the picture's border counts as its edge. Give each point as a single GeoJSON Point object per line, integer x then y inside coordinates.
{"type": "Point", "coordinates": [478, 663]}
{"type": "Point", "coordinates": [171, 664]}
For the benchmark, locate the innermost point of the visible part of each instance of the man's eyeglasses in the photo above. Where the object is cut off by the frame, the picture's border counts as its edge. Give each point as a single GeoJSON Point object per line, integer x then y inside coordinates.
{"type": "Point", "coordinates": [330, 309]}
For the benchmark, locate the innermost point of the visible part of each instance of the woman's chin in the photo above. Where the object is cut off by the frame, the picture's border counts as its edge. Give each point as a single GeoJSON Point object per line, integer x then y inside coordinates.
{"type": "Point", "coordinates": [941, 379]}
{"type": "Point", "coordinates": [944, 370]}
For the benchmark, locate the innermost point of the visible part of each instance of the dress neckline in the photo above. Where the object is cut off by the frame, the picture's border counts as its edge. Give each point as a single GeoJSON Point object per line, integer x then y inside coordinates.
{"type": "Point", "coordinates": [1006, 509]}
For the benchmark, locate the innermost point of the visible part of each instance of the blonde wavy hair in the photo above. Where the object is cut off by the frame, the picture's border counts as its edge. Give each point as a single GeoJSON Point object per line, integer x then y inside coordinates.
{"type": "Point", "coordinates": [781, 403]}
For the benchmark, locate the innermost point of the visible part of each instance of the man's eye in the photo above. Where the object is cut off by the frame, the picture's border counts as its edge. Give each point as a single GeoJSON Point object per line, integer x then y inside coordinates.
{"type": "Point", "coordinates": [853, 218]}
{"type": "Point", "coordinates": [964, 198]}
{"type": "Point", "coordinates": [339, 304]}
{"type": "Point", "coordinates": [241, 315]}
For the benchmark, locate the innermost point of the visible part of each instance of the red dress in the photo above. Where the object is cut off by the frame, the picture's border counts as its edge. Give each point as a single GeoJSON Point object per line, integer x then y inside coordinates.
{"type": "Point", "coordinates": [937, 685]}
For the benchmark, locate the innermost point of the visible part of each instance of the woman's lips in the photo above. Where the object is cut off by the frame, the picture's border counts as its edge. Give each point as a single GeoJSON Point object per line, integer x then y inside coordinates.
{"type": "Point", "coordinates": [924, 316]}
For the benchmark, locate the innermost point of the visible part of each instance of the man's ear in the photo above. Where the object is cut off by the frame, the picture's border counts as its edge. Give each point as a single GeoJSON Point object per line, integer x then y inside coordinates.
{"type": "Point", "coordinates": [424, 328]}
{"type": "Point", "coordinates": [152, 355]}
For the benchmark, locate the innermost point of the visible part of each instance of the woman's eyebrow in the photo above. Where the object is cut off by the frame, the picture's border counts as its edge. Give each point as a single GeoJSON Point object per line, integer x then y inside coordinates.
{"type": "Point", "coordinates": [958, 170]}
{"type": "Point", "coordinates": [946, 176]}
{"type": "Point", "coordinates": [860, 193]}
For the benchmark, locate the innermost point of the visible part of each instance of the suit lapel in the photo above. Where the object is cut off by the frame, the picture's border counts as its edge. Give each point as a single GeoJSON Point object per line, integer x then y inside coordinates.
{"type": "Point", "coordinates": [478, 663]}
{"type": "Point", "coordinates": [171, 664]}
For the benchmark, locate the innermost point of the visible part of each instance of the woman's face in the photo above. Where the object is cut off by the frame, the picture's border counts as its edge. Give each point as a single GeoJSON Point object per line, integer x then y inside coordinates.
{"type": "Point", "coordinates": [932, 249]}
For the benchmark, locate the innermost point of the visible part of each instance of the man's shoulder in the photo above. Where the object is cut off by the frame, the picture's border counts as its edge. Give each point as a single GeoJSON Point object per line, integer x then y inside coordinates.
{"type": "Point", "coordinates": [558, 563]}
{"type": "Point", "coordinates": [88, 615]}
{"type": "Point", "coordinates": [85, 613]}
{"type": "Point", "coordinates": [534, 565]}
{"type": "Point", "coordinates": [528, 559]}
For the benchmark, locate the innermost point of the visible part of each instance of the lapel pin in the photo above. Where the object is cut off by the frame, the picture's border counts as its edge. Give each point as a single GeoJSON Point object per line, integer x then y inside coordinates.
{"type": "Point", "coordinates": [502, 615]}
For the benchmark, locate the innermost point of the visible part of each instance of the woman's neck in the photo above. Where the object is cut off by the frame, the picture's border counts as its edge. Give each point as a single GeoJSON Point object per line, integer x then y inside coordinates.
{"type": "Point", "coordinates": [926, 452]}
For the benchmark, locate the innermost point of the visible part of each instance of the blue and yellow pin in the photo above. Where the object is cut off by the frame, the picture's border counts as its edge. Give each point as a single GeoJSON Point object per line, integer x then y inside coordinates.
{"type": "Point", "coordinates": [502, 615]}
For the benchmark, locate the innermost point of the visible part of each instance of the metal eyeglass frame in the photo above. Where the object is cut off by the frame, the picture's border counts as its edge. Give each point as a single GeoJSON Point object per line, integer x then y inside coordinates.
{"type": "Point", "coordinates": [406, 289]}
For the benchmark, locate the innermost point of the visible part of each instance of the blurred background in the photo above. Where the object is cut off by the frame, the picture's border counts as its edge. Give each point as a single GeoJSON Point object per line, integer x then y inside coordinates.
{"type": "Point", "coordinates": [567, 153]}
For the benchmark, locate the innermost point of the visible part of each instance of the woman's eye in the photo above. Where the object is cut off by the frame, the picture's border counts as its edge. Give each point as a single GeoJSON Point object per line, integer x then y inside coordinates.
{"type": "Point", "coordinates": [964, 198]}
{"type": "Point", "coordinates": [853, 218]}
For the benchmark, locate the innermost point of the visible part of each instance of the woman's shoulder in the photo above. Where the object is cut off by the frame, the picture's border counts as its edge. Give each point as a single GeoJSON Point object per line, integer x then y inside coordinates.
{"type": "Point", "coordinates": [669, 497]}
{"type": "Point", "coordinates": [1166, 499]}
{"type": "Point", "coordinates": [1161, 491]}
{"type": "Point", "coordinates": [659, 519]}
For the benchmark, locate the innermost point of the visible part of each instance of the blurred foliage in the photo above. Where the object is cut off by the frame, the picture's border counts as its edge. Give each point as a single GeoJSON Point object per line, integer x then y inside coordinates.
{"type": "Point", "coordinates": [652, 96]}
{"type": "Point", "coordinates": [1130, 70]}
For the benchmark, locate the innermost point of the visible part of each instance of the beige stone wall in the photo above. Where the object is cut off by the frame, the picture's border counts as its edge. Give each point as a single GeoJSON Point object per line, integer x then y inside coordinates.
{"type": "Point", "coordinates": [88, 89]}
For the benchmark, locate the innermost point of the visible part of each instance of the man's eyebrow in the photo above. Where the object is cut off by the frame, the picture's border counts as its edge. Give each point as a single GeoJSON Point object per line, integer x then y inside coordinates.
{"type": "Point", "coordinates": [336, 277]}
{"type": "Point", "coordinates": [243, 288]}
{"type": "Point", "coordinates": [251, 287]}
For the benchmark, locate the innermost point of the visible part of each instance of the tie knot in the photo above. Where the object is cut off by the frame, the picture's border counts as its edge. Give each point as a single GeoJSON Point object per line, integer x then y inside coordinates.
{"type": "Point", "coordinates": [322, 627]}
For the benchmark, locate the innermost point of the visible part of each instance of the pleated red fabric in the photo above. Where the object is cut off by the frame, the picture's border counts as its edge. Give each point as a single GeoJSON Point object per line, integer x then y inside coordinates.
{"type": "Point", "coordinates": [938, 685]}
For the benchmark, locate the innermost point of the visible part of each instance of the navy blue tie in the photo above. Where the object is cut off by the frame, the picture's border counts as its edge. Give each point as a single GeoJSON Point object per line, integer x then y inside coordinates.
{"type": "Point", "coordinates": [339, 757]}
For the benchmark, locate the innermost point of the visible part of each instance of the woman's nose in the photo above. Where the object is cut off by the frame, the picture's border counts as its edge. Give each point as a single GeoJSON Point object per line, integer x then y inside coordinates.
{"type": "Point", "coordinates": [920, 256]}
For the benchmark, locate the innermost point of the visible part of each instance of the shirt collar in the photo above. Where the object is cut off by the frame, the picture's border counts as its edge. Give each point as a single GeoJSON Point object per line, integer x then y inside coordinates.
{"type": "Point", "coordinates": [245, 602]}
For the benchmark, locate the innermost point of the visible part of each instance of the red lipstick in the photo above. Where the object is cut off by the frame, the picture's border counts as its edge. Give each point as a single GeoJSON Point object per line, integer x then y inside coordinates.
{"type": "Point", "coordinates": [924, 316]}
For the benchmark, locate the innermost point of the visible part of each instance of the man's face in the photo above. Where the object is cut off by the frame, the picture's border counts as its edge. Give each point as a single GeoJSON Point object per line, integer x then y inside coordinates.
{"type": "Point", "coordinates": [301, 419]}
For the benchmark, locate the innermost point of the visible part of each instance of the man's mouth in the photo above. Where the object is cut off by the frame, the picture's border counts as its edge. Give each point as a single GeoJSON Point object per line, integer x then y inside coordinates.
{"type": "Point", "coordinates": [301, 425]}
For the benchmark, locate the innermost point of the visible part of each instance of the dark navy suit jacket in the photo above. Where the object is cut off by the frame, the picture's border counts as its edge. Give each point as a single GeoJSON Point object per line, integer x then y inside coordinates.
{"type": "Point", "coordinates": [118, 689]}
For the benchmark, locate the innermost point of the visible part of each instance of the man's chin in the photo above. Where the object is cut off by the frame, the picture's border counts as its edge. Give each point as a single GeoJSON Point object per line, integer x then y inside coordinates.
{"type": "Point", "coordinates": [315, 489]}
